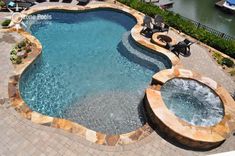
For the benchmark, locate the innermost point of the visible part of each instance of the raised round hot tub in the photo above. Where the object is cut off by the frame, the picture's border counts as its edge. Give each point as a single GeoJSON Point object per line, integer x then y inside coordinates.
{"type": "Point", "coordinates": [189, 108]}
{"type": "Point", "coordinates": [192, 101]}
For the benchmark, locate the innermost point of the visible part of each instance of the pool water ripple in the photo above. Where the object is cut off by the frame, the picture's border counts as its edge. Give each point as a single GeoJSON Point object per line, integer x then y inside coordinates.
{"type": "Point", "coordinates": [193, 102]}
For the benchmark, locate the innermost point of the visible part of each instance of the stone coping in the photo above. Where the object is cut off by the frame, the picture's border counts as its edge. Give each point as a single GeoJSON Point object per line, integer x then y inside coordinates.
{"type": "Point", "coordinates": [204, 136]}
{"type": "Point", "coordinates": [93, 136]}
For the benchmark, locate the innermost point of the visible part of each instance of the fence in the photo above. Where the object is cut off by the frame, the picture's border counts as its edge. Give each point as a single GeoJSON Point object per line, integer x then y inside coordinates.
{"type": "Point", "coordinates": [211, 30]}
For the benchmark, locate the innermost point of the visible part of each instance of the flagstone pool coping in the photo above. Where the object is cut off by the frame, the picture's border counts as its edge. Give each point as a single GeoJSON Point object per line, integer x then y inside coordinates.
{"type": "Point", "coordinates": [193, 136]}
{"type": "Point", "coordinates": [93, 136]}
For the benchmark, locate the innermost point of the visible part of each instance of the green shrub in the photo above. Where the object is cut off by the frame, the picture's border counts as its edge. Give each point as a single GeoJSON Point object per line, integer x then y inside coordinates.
{"type": "Point", "coordinates": [228, 62]}
{"type": "Point", "coordinates": [28, 49]}
{"type": "Point", "coordinates": [218, 57]}
{"type": "Point", "coordinates": [232, 72]}
{"type": "Point", "coordinates": [185, 26]}
{"type": "Point", "coordinates": [22, 44]}
{"type": "Point", "coordinates": [13, 51]}
{"type": "Point", "coordinates": [2, 4]}
{"type": "Point", "coordinates": [6, 22]}
{"type": "Point", "coordinates": [15, 59]}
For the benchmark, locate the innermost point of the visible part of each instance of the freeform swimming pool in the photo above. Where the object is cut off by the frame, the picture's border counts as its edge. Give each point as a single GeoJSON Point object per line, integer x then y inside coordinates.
{"type": "Point", "coordinates": [83, 74]}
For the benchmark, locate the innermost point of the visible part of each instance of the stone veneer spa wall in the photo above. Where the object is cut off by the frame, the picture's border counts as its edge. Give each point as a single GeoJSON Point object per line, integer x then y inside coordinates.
{"type": "Point", "coordinates": [189, 134]}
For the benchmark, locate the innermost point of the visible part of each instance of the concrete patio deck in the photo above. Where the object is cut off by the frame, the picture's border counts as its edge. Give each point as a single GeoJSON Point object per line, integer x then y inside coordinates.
{"type": "Point", "coordinates": [19, 136]}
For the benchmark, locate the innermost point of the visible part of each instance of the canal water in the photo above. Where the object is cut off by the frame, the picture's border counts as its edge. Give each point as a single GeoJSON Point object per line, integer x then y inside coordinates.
{"type": "Point", "coordinates": [205, 12]}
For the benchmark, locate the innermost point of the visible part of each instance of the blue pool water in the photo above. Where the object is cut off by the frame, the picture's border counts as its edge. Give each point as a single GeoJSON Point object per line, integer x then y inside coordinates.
{"type": "Point", "coordinates": [90, 71]}
{"type": "Point", "coordinates": [193, 102]}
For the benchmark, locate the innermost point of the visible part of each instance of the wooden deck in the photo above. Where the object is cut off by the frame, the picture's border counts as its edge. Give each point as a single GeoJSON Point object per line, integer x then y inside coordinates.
{"type": "Point", "coordinates": [164, 4]}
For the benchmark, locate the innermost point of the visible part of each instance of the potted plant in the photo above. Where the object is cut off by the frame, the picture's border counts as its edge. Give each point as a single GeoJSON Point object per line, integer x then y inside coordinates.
{"type": "Point", "coordinates": [228, 62]}
{"type": "Point", "coordinates": [28, 49]}
{"type": "Point", "coordinates": [22, 44]}
{"type": "Point", "coordinates": [15, 59]}
{"type": "Point", "coordinates": [6, 23]}
{"type": "Point", "coordinates": [2, 4]}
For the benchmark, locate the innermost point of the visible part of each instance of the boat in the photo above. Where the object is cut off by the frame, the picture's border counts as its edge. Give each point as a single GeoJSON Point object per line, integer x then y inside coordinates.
{"type": "Point", "coordinates": [226, 5]}
{"type": "Point", "coordinates": [229, 4]}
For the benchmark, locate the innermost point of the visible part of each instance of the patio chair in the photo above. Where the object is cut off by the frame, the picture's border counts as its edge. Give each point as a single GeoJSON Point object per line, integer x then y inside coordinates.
{"type": "Point", "coordinates": [180, 47]}
{"type": "Point", "coordinates": [146, 25]}
{"type": "Point", "coordinates": [83, 2]}
{"type": "Point", "coordinates": [189, 43]}
{"type": "Point", "coordinates": [165, 28]}
{"type": "Point", "coordinates": [41, 1]}
{"type": "Point", "coordinates": [158, 22]}
{"type": "Point", "coordinates": [159, 25]}
{"type": "Point", "coordinates": [31, 1]}
{"type": "Point", "coordinates": [67, 1]}
{"type": "Point", "coordinates": [148, 30]}
{"type": "Point", "coordinates": [24, 5]}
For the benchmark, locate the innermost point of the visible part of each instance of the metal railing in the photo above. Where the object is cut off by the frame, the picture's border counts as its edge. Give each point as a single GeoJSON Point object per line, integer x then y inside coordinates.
{"type": "Point", "coordinates": [209, 29]}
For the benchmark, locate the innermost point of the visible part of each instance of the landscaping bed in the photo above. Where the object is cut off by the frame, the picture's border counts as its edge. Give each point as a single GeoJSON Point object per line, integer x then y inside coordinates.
{"type": "Point", "coordinates": [227, 64]}
{"type": "Point", "coordinates": [20, 51]}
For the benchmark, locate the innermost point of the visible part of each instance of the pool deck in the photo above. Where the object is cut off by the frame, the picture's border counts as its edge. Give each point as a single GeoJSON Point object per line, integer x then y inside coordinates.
{"type": "Point", "coordinates": [7, 41]}
{"type": "Point", "coordinates": [21, 136]}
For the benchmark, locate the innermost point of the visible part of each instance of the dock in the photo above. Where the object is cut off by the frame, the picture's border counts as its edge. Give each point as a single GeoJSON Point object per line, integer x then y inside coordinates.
{"type": "Point", "coordinates": [220, 3]}
{"type": "Point", "coordinates": [167, 5]}
{"type": "Point", "coordinates": [164, 4]}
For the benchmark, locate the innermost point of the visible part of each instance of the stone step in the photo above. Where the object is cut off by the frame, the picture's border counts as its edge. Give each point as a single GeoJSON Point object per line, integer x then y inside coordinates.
{"type": "Point", "coordinates": [144, 57]}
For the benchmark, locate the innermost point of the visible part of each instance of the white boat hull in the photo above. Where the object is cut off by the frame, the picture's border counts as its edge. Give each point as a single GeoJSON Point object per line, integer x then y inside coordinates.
{"type": "Point", "coordinates": [226, 5]}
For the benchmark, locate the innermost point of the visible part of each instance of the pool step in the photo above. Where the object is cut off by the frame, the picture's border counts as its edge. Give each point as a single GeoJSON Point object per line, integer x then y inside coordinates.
{"type": "Point", "coordinates": [140, 55]}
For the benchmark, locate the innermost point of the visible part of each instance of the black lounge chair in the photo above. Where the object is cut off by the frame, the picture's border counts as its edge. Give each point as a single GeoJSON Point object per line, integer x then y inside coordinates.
{"type": "Point", "coordinates": [158, 22]}
{"type": "Point", "coordinates": [180, 47]}
{"type": "Point", "coordinates": [31, 1]}
{"type": "Point", "coordinates": [159, 25]}
{"type": "Point", "coordinates": [41, 1]}
{"type": "Point", "coordinates": [67, 1]}
{"type": "Point", "coordinates": [24, 5]}
{"type": "Point", "coordinates": [147, 25]}
{"type": "Point", "coordinates": [148, 30]}
{"type": "Point", "coordinates": [83, 2]}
